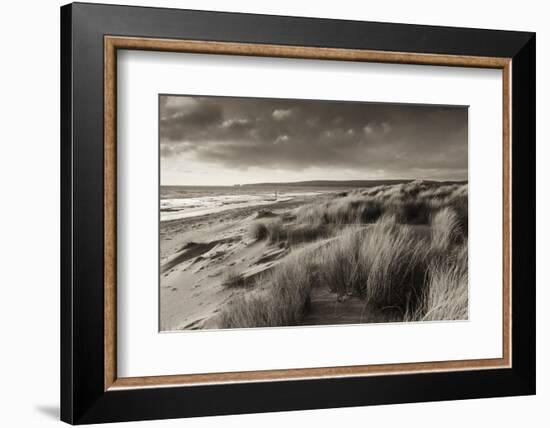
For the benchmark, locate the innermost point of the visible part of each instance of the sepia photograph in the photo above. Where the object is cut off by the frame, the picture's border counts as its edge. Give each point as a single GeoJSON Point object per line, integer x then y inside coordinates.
{"type": "Point", "coordinates": [291, 212]}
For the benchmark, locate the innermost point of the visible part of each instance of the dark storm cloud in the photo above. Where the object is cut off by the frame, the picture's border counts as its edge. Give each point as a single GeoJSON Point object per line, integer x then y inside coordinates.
{"type": "Point", "coordinates": [400, 139]}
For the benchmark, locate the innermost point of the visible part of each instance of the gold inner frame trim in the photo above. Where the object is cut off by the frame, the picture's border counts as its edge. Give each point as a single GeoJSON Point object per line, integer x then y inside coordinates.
{"type": "Point", "coordinates": [113, 43]}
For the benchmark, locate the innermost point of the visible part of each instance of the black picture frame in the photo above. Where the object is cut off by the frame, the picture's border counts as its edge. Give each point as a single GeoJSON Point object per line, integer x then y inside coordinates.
{"type": "Point", "coordinates": [83, 398]}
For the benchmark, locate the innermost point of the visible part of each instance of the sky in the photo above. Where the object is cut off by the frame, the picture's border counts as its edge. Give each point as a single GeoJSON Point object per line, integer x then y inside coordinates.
{"type": "Point", "coordinates": [234, 140]}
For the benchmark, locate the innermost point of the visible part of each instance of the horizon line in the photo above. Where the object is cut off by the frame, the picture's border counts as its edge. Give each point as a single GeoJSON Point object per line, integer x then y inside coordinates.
{"type": "Point", "coordinates": [317, 180]}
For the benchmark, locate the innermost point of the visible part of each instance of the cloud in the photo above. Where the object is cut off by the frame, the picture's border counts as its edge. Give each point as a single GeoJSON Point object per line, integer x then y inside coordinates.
{"type": "Point", "coordinates": [188, 120]}
{"type": "Point", "coordinates": [296, 135]}
{"type": "Point", "coordinates": [281, 139]}
{"type": "Point", "coordinates": [235, 123]}
{"type": "Point", "coordinates": [281, 114]}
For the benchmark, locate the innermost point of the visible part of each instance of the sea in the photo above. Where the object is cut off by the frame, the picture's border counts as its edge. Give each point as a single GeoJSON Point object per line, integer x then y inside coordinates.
{"type": "Point", "coordinates": [178, 202]}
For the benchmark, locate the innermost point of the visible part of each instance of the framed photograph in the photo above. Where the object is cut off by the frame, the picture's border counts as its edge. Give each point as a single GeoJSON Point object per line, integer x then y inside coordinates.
{"type": "Point", "coordinates": [266, 213]}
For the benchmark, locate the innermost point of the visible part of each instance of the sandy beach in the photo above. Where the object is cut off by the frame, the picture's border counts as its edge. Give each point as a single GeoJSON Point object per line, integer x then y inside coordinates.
{"type": "Point", "coordinates": [196, 252]}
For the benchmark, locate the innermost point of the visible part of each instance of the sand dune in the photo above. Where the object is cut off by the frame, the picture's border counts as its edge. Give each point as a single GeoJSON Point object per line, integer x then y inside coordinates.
{"type": "Point", "coordinates": [209, 262]}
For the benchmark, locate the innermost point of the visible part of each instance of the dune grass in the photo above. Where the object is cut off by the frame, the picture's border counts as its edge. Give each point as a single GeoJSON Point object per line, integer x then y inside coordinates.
{"type": "Point", "coordinates": [259, 230]}
{"type": "Point", "coordinates": [411, 203]}
{"type": "Point", "coordinates": [379, 252]}
{"type": "Point", "coordinates": [284, 303]}
{"type": "Point", "coordinates": [446, 293]}
{"type": "Point", "coordinates": [385, 264]}
{"type": "Point", "coordinates": [233, 279]}
{"type": "Point", "coordinates": [276, 231]}
{"type": "Point", "coordinates": [446, 229]}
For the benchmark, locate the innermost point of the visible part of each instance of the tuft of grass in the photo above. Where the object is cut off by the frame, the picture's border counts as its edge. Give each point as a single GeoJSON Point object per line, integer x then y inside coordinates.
{"type": "Point", "coordinates": [274, 230]}
{"type": "Point", "coordinates": [278, 232]}
{"type": "Point", "coordinates": [258, 230]}
{"type": "Point", "coordinates": [350, 209]}
{"type": "Point", "coordinates": [268, 229]}
{"type": "Point", "coordinates": [459, 202]}
{"type": "Point", "coordinates": [445, 229]}
{"type": "Point", "coordinates": [283, 301]}
{"type": "Point", "coordinates": [265, 214]}
{"type": "Point", "coordinates": [341, 266]}
{"type": "Point", "coordinates": [232, 279]}
{"type": "Point", "coordinates": [385, 264]}
{"type": "Point", "coordinates": [246, 312]}
{"type": "Point", "coordinates": [446, 293]}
